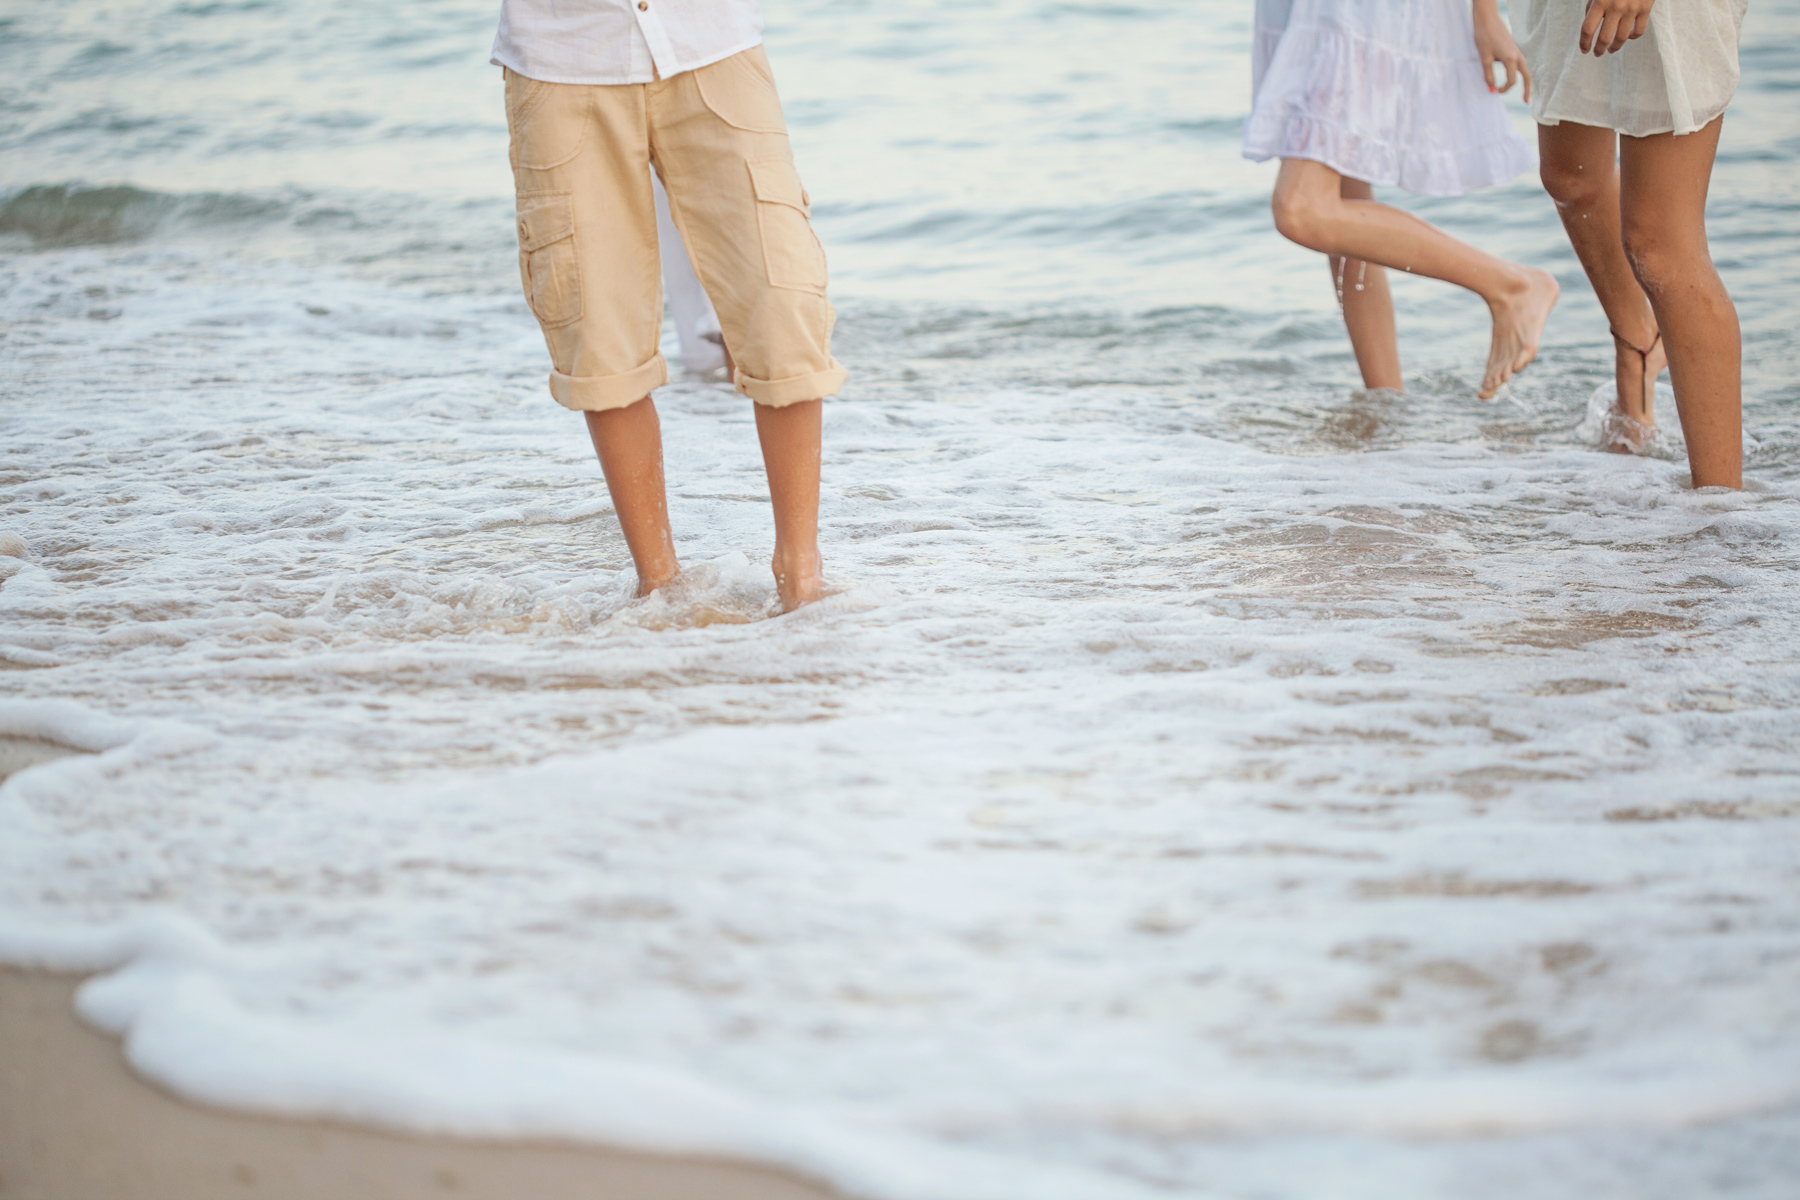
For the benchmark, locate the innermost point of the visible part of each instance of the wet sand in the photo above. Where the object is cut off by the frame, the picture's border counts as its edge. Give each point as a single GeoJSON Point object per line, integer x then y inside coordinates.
{"type": "Point", "coordinates": [77, 1124]}
{"type": "Point", "coordinates": [17, 753]}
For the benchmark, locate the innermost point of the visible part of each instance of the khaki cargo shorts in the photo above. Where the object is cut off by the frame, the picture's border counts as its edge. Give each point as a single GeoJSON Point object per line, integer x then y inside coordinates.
{"type": "Point", "coordinates": [588, 257]}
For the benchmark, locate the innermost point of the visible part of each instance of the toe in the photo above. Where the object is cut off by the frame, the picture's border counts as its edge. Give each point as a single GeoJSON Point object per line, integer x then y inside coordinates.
{"type": "Point", "coordinates": [1501, 379]}
{"type": "Point", "coordinates": [1496, 375]}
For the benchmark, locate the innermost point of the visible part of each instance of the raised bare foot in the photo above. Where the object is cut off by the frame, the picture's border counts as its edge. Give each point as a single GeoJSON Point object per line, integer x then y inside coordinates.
{"type": "Point", "coordinates": [797, 582]}
{"type": "Point", "coordinates": [1519, 317]}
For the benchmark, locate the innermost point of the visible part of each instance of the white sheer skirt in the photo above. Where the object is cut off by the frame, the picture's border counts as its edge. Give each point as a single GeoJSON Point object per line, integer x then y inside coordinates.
{"type": "Point", "coordinates": [1674, 79]}
{"type": "Point", "coordinates": [1386, 91]}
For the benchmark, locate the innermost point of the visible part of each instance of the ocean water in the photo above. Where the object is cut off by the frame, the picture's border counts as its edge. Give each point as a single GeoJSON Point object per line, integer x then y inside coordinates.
{"type": "Point", "coordinates": [1212, 780]}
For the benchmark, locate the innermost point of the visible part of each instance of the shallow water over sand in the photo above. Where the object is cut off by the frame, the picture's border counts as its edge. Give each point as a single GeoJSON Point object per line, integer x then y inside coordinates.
{"type": "Point", "coordinates": [1213, 780]}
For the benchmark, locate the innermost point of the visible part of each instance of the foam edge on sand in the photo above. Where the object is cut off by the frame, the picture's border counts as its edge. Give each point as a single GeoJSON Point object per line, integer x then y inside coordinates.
{"type": "Point", "coordinates": [74, 1121]}
{"type": "Point", "coordinates": [158, 981]}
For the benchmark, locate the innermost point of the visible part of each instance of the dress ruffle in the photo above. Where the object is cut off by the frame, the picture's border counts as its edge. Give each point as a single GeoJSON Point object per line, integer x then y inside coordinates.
{"type": "Point", "coordinates": [1386, 91]}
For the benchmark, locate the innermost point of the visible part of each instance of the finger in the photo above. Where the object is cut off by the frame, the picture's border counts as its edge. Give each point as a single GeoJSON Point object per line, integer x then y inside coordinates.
{"type": "Point", "coordinates": [1603, 38]}
{"type": "Point", "coordinates": [1641, 26]}
{"type": "Point", "coordinates": [1621, 34]}
{"type": "Point", "coordinates": [1487, 71]}
{"type": "Point", "coordinates": [1590, 25]}
{"type": "Point", "coordinates": [1526, 72]}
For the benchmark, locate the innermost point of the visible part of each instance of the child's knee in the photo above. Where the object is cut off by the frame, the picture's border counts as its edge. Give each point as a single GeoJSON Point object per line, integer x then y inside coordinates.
{"type": "Point", "coordinates": [1654, 258]}
{"type": "Point", "coordinates": [1572, 186]}
{"type": "Point", "coordinates": [1297, 218]}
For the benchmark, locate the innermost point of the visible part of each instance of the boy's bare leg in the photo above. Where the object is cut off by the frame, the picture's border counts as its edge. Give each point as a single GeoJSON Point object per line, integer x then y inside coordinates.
{"type": "Point", "coordinates": [629, 443]}
{"type": "Point", "coordinates": [1309, 210]}
{"type": "Point", "coordinates": [790, 448]}
{"type": "Point", "coordinates": [1663, 181]}
{"type": "Point", "coordinates": [1368, 308]}
{"type": "Point", "coordinates": [1579, 167]}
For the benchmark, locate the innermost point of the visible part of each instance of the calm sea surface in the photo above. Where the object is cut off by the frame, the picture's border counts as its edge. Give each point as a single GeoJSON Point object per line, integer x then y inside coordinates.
{"type": "Point", "coordinates": [1215, 781]}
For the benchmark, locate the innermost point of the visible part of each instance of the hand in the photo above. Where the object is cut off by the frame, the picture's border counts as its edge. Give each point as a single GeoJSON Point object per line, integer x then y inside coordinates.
{"type": "Point", "coordinates": [1494, 44]}
{"type": "Point", "coordinates": [1612, 23]}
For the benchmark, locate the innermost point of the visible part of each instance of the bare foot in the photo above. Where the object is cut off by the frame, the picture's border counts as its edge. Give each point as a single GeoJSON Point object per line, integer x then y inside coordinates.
{"type": "Point", "coordinates": [1519, 318]}
{"type": "Point", "coordinates": [1625, 434]}
{"type": "Point", "coordinates": [798, 582]}
{"type": "Point", "coordinates": [646, 585]}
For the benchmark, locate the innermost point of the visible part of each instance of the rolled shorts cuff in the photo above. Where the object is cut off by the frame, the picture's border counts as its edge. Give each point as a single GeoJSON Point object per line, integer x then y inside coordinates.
{"type": "Point", "coordinates": [795, 389]}
{"type": "Point", "coordinates": [596, 393]}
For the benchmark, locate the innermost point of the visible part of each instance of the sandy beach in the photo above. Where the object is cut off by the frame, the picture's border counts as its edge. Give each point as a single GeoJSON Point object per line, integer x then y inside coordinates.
{"type": "Point", "coordinates": [76, 1124]}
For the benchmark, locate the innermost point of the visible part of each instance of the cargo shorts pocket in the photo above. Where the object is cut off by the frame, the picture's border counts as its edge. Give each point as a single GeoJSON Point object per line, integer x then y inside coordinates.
{"type": "Point", "coordinates": [549, 266]}
{"type": "Point", "coordinates": [740, 91]}
{"type": "Point", "coordinates": [791, 250]}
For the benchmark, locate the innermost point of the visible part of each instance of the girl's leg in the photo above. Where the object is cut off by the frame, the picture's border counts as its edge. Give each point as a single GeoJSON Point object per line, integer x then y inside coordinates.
{"type": "Point", "coordinates": [1309, 210]}
{"type": "Point", "coordinates": [1578, 164]}
{"type": "Point", "coordinates": [1368, 309]}
{"type": "Point", "coordinates": [1662, 192]}
{"type": "Point", "coordinates": [790, 446]}
{"type": "Point", "coordinates": [629, 443]}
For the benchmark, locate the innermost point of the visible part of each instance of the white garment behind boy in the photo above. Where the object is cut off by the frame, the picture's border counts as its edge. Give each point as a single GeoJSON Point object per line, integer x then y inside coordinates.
{"type": "Point", "coordinates": [696, 324]}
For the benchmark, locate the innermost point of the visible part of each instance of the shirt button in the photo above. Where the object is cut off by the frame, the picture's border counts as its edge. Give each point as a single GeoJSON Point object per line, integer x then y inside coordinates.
{"type": "Point", "coordinates": [643, 5]}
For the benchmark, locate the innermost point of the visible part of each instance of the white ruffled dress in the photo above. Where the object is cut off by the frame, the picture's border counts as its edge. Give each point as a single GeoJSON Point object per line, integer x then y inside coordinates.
{"type": "Point", "coordinates": [1675, 79]}
{"type": "Point", "coordinates": [1386, 91]}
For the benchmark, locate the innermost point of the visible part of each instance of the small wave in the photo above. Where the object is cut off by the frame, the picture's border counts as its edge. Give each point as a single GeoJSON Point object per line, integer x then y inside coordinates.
{"type": "Point", "coordinates": [726, 591]}
{"type": "Point", "coordinates": [76, 215]}
{"type": "Point", "coordinates": [1157, 218]}
{"type": "Point", "coordinates": [1608, 428]}
{"type": "Point", "coordinates": [1605, 427]}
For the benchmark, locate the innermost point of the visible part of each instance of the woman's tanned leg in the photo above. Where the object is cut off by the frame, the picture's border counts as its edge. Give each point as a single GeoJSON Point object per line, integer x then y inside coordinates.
{"type": "Point", "coordinates": [1662, 186]}
{"type": "Point", "coordinates": [1368, 308]}
{"type": "Point", "coordinates": [1579, 167]}
{"type": "Point", "coordinates": [790, 447]}
{"type": "Point", "coordinates": [1309, 210]}
{"type": "Point", "coordinates": [629, 443]}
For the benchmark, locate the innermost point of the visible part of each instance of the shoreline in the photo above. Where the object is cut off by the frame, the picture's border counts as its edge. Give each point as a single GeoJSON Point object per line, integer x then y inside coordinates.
{"type": "Point", "coordinates": [77, 1124]}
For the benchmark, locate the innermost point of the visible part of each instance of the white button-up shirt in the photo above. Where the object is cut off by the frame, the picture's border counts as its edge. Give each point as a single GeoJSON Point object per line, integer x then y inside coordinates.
{"type": "Point", "coordinates": [621, 41]}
